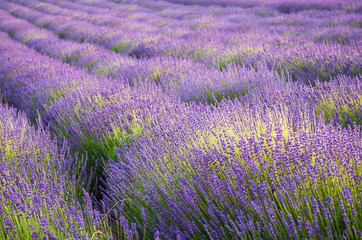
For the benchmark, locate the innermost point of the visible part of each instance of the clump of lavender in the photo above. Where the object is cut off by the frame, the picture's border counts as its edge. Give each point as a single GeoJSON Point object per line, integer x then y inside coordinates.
{"type": "Point", "coordinates": [37, 185]}
{"type": "Point", "coordinates": [211, 86]}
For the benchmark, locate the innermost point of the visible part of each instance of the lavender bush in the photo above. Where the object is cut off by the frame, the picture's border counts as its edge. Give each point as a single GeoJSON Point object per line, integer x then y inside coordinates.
{"type": "Point", "coordinates": [38, 179]}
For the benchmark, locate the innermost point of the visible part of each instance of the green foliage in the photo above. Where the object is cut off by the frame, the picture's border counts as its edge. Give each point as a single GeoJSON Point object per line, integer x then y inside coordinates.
{"type": "Point", "coordinates": [341, 111]}
{"type": "Point", "coordinates": [121, 47]}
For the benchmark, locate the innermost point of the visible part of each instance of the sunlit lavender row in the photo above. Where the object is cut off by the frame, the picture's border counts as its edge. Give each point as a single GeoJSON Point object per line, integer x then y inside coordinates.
{"type": "Point", "coordinates": [177, 119]}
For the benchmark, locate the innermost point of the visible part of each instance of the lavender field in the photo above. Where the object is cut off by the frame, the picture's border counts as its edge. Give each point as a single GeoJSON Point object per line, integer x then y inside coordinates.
{"type": "Point", "coordinates": [180, 119]}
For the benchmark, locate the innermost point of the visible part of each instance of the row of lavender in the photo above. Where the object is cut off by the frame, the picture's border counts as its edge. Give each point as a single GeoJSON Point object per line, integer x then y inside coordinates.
{"type": "Point", "coordinates": [181, 177]}
{"type": "Point", "coordinates": [38, 195]}
{"type": "Point", "coordinates": [288, 42]}
{"type": "Point", "coordinates": [284, 6]}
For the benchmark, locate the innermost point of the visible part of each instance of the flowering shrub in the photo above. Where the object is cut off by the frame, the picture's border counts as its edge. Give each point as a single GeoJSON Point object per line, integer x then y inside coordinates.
{"type": "Point", "coordinates": [38, 185]}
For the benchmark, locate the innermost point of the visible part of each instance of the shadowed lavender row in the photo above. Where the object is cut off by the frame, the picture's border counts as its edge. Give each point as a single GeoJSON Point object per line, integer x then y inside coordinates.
{"type": "Point", "coordinates": [38, 185]}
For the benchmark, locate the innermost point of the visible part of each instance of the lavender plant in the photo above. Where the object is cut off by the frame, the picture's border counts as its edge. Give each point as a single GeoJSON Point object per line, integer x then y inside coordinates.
{"type": "Point", "coordinates": [37, 187]}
